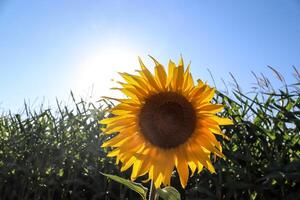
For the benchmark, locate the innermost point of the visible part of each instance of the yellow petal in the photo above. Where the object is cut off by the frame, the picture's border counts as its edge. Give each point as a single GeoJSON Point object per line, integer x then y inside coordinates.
{"type": "Point", "coordinates": [207, 145]}
{"type": "Point", "coordinates": [197, 153]}
{"type": "Point", "coordinates": [210, 167]}
{"type": "Point", "coordinates": [182, 167]}
{"type": "Point", "coordinates": [168, 166]}
{"type": "Point", "coordinates": [120, 139]}
{"type": "Point", "coordinates": [130, 92]}
{"type": "Point", "coordinates": [147, 75]}
{"type": "Point", "coordinates": [158, 180]}
{"type": "Point", "coordinates": [188, 82]}
{"type": "Point", "coordinates": [200, 167]}
{"type": "Point", "coordinates": [113, 153]}
{"type": "Point", "coordinates": [161, 76]}
{"type": "Point", "coordinates": [193, 167]}
{"type": "Point", "coordinates": [211, 108]}
{"type": "Point", "coordinates": [136, 168]}
{"type": "Point", "coordinates": [174, 81]}
{"type": "Point", "coordinates": [128, 164]}
{"type": "Point", "coordinates": [134, 80]}
{"type": "Point", "coordinates": [121, 122]}
{"type": "Point", "coordinates": [180, 77]}
{"type": "Point", "coordinates": [171, 69]}
{"type": "Point", "coordinates": [196, 93]}
{"type": "Point", "coordinates": [112, 129]}
{"type": "Point", "coordinates": [181, 63]}
{"type": "Point", "coordinates": [205, 96]}
{"type": "Point", "coordinates": [124, 106]}
{"type": "Point", "coordinates": [183, 172]}
{"type": "Point", "coordinates": [222, 121]}
{"type": "Point", "coordinates": [116, 119]}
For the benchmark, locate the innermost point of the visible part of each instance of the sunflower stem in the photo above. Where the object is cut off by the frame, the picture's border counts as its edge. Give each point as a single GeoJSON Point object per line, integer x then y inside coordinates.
{"type": "Point", "coordinates": [152, 194]}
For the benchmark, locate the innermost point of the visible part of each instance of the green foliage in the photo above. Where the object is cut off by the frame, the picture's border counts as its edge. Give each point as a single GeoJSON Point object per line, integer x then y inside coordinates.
{"type": "Point", "coordinates": [56, 154]}
{"type": "Point", "coordinates": [137, 187]}
{"type": "Point", "coordinates": [168, 193]}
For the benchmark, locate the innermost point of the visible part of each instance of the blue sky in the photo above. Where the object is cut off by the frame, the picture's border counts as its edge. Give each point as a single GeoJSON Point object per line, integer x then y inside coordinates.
{"type": "Point", "coordinates": [48, 48]}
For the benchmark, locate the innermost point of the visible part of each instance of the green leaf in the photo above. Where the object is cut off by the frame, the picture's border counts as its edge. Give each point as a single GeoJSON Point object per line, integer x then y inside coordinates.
{"type": "Point", "coordinates": [168, 193]}
{"type": "Point", "coordinates": [137, 187]}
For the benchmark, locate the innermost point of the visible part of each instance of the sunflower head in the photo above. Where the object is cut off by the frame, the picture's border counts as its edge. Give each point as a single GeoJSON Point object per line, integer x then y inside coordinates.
{"type": "Point", "coordinates": [166, 122]}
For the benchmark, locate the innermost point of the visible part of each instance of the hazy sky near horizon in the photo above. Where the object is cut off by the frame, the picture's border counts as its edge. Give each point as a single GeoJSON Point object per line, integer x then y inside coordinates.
{"type": "Point", "coordinates": [48, 48]}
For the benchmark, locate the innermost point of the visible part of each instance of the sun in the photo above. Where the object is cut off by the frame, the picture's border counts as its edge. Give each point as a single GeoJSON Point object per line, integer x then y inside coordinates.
{"type": "Point", "coordinates": [96, 72]}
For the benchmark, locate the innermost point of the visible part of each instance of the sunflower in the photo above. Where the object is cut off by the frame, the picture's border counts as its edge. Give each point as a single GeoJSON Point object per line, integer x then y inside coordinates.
{"type": "Point", "coordinates": [166, 122]}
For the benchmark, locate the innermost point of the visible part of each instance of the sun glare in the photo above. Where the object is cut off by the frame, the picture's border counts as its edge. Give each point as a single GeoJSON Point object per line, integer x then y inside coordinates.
{"type": "Point", "coordinates": [99, 72]}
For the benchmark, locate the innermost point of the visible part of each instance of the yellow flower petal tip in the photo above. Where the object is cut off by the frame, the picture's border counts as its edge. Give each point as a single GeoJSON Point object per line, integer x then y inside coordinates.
{"type": "Point", "coordinates": [166, 122]}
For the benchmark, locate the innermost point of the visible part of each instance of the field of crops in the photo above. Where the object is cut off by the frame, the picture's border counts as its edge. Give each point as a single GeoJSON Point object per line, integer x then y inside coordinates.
{"type": "Point", "coordinates": [55, 153]}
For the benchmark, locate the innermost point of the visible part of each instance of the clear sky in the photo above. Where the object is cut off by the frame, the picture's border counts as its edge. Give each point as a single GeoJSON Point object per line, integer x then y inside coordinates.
{"type": "Point", "coordinates": [50, 47]}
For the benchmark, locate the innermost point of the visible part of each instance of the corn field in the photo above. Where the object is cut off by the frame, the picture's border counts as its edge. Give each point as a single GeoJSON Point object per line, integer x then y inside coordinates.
{"type": "Point", "coordinates": [55, 153]}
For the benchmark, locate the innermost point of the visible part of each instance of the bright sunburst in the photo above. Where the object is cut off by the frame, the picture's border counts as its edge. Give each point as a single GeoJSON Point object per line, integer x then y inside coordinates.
{"type": "Point", "coordinates": [98, 70]}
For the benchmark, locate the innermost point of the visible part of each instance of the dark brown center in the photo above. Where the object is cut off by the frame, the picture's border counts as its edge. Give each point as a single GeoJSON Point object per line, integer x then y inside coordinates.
{"type": "Point", "coordinates": [167, 119]}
